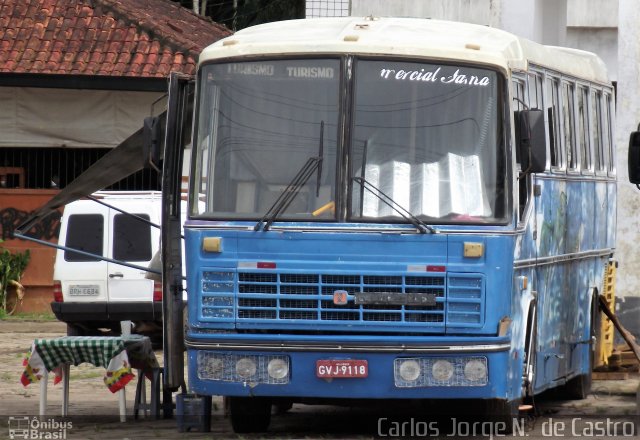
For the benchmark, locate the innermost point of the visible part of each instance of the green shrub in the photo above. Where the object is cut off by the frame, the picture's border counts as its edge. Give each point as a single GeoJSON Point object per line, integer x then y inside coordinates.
{"type": "Point", "coordinates": [12, 267]}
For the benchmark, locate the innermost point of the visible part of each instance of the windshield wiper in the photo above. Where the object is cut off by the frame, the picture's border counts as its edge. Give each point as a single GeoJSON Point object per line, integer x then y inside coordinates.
{"type": "Point", "coordinates": [421, 226]}
{"type": "Point", "coordinates": [289, 193]}
{"type": "Point", "coordinates": [281, 204]}
{"type": "Point", "coordinates": [320, 155]}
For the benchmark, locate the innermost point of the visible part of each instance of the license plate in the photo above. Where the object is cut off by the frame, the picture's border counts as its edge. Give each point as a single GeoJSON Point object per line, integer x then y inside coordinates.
{"type": "Point", "coordinates": [89, 290]}
{"type": "Point", "coordinates": [339, 368]}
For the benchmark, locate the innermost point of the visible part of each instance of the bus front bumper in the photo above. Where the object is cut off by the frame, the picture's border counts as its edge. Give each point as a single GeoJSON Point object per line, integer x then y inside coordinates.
{"type": "Point", "coordinates": [352, 370]}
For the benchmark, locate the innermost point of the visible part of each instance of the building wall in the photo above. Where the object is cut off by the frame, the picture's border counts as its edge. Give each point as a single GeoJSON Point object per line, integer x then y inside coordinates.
{"type": "Point", "coordinates": [572, 23]}
{"type": "Point", "coordinates": [57, 118]}
{"type": "Point", "coordinates": [628, 116]}
{"type": "Point", "coordinates": [484, 12]}
{"type": "Point", "coordinates": [15, 205]}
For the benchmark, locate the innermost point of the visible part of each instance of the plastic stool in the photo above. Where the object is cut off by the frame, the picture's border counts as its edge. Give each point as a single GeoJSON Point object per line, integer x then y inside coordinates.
{"type": "Point", "coordinates": [140, 403]}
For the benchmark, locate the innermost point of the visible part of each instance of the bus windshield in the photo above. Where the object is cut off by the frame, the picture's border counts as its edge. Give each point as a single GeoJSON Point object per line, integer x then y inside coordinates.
{"type": "Point", "coordinates": [424, 137]}
{"type": "Point", "coordinates": [259, 123]}
{"type": "Point", "coordinates": [427, 136]}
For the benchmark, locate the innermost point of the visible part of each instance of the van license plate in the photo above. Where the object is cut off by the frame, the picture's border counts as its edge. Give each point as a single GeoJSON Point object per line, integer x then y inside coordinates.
{"type": "Point", "coordinates": [84, 290]}
{"type": "Point", "coordinates": [337, 368]}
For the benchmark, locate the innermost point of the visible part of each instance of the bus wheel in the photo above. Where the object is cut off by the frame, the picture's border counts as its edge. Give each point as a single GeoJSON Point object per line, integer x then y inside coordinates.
{"type": "Point", "coordinates": [282, 406]}
{"type": "Point", "coordinates": [579, 387]}
{"type": "Point", "coordinates": [502, 411]}
{"type": "Point", "coordinates": [249, 414]}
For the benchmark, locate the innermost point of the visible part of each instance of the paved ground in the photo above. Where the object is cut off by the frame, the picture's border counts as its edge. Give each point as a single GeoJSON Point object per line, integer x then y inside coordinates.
{"type": "Point", "coordinates": [94, 409]}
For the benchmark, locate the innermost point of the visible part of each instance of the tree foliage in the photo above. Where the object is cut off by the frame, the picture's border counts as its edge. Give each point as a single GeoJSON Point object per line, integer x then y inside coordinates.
{"type": "Point", "coordinates": [240, 14]}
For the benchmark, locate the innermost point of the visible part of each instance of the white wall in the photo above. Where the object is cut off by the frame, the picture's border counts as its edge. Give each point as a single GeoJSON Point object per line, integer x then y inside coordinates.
{"type": "Point", "coordinates": [628, 116]}
{"type": "Point", "coordinates": [584, 24]}
{"type": "Point", "coordinates": [484, 12]}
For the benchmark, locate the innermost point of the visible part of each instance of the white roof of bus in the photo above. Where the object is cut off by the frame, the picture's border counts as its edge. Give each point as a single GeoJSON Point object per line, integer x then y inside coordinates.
{"type": "Point", "coordinates": [413, 37]}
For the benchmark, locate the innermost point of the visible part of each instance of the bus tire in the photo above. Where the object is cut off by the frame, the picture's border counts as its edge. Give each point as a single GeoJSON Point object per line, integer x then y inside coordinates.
{"type": "Point", "coordinates": [579, 387]}
{"type": "Point", "coordinates": [249, 414]}
{"type": "Point", "coordinates": [282, 406]}
{"type": "Point", "coordinates": [503, 411]}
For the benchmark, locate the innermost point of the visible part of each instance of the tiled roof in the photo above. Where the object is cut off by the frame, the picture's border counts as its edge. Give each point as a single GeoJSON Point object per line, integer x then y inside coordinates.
{"type": "Point", "coordinates": [126, 38]}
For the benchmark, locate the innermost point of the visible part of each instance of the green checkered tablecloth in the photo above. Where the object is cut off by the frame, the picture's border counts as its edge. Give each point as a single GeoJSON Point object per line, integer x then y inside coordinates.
{"type": "Point", "coordinates": [117, 354]}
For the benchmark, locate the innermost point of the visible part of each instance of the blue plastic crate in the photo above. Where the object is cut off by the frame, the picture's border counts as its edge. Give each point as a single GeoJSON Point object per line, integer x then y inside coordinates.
{"type": "Point", "coordinates": [193, 412]}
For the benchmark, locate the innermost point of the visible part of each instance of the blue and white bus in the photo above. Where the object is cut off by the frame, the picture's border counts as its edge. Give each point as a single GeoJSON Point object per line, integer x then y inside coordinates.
{"type": "Point", "coordinates": [387, 208]}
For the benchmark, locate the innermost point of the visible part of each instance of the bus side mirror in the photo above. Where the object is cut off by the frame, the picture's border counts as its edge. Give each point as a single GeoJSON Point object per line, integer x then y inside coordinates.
{"type": "Point", "coordinates": [634, 157]}
{"type": "Point", "coordinates": [531, 140]}
{"type": "Point", "coordinates": [152, 142]}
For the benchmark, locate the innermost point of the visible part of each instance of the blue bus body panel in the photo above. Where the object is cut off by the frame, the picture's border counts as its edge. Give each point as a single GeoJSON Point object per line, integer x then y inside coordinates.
{"type": "Point", "coordinates": [463, 286]}
{"type": "Point", "coordinates": [572, 252]}
{"type": "Point", "coordinates": [290, 299]}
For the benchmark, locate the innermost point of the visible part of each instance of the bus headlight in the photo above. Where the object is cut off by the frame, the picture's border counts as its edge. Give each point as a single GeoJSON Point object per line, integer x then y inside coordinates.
{"type": "Point", "coordinates": [475, 370]}
{"type": "Point", "coordinates": [215, 367]}
{"type": "Point", "coordinates": [442, 370]}
{"type": "Point", "coordinates": [246, 368]}
{"type": "Point", "coordinates": [278, 368]}
{"type": "Point", "coordinates": [243, 368]}
{"type": "Point", "coordinates": [409, 370]}
{"type": "Point", "coordinates": [435, 371]}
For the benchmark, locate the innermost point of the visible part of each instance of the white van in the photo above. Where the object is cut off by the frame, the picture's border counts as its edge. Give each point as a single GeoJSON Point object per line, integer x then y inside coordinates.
{"type": "Point", "coordinates": [92, 295]}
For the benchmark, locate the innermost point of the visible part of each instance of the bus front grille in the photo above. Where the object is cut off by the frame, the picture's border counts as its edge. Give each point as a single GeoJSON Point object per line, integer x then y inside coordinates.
{"type": "Point", "coordinates": [272, 299]}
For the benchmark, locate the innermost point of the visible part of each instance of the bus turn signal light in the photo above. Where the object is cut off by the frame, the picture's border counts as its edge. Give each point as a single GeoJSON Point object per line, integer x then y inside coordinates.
{"type": "Point", "coordinates": [212, 244]}
{"type": "Point", "coordinates": [473, 250]}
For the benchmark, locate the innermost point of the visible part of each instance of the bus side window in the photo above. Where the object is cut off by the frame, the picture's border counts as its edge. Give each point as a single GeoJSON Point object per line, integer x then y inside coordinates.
{"type": "Point", "coordinates": [552, 103]}
{"type": "Point", "coordinates": [608, 134]}
{"type": "Point", "coordinates": [569, 125]}
{"type": "Point", "coordinates": [583, 129]}
{"type": "Point", "coordinates": [535, 91]}
{"type": "Point", "coordinates": [596, 130]}
{"type": "Point", "coordinates": [519, 104]}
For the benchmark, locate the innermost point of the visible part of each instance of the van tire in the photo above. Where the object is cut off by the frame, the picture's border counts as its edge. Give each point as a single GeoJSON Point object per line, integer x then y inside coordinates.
{"type": "Point", "coordinates": [75, 330]}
